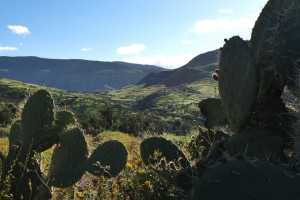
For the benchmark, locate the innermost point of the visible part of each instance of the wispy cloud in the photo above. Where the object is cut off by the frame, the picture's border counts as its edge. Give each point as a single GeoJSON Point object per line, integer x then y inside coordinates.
{"type": "Point", "coordinates": [131, 49]}
{"type": "Point", "coordinates": [225, 10]}
{"type": "Point", "coordinates": [86, 49]}
{"type": "Point", "coordinates": [7, 48]}
{"type": "Point", "coordinates": [19, 30]}
{"type": "Point", "coordinates": [207, 26]}
{"type": "Point", "coordinates": [161, 60]}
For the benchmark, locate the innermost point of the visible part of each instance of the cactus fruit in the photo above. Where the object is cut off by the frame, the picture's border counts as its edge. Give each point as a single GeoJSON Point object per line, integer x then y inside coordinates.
{"type": "Point", "coordinates": [212, 109]}
{"type": "Point", "coordinates": [112, 154]}
{"type": "Point", "coordinates": [238, 82]}
{"type": "Point", "coordinates": [69, 159]}
{"type": "Point", "coordinates": [258, 143]}
{"type": "Point", "coordinates": [37, 119]}
{"type": "Point", "coordinates": [167, 149]}
{"type": "Point", "coordinates": [246, 179]}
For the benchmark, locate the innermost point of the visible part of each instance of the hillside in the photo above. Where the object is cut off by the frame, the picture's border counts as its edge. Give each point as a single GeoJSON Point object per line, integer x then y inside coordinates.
{"type": "Point", "coordinates": [74, 74]}
{"type": "Point", "coordinates": [198, 68]}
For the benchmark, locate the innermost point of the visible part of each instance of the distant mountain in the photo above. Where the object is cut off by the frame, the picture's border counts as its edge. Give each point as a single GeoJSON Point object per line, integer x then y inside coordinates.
{"type": "Point", "coordinates": [198, 68]}
{"type": "Point", "coordinates": [74, 74]}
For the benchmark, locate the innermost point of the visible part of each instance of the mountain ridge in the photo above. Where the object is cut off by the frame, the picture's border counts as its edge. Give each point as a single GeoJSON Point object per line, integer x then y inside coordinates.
{"type": "Point", "coordinates": [198, 68]}
{"type": "Point", "coordinates": [74, 74]}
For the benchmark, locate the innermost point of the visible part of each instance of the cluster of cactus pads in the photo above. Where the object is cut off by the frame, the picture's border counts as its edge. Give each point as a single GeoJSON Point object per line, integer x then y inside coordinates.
{"type": "Point", "coordinates": [40, 128]}
{"type": "Point", "coordinates": [251, 162]}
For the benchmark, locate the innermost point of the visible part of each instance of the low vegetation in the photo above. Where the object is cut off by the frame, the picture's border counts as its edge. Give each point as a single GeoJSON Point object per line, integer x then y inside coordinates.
{"type": "Point", "coordinates": [152, 143]}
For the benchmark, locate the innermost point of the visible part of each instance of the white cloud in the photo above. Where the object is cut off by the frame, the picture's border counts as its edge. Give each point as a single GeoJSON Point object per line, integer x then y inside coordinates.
{"type": "Point", "coordinates": [86, 49]}
{"type": "Point", "coordinates": [225, 10]}
{"type": "Point", "coordinates": [20, 30]}
{"type": "Point", "coordinates": [131, 49]}
{"type": "Point", "coordinates": [7, 48]}
{"type": "Point", "coordinates": [161, 60]}
{"type": "Point", "coordinates": [21, 44]}
{"type": "Point", "coordinates": [187, 42]}
{"type": "Point", "coordinates": [207, 26]}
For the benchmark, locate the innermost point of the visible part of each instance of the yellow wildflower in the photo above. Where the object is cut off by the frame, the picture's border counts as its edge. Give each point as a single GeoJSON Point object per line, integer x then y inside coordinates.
{"type": "Point", "coordinates": [139, 162]}
{"type": "Point", "coordinates": [155, 153]}
{"type": "Point", "coordinates": [113, 193]}
{"type": "Point", "coordinates": [115, 185]}
{"type": "Point", "coordinates": [129, 166]}
{"type": "Point", "coordinates": [128, 182]}
{"type": "Point", "coordinates": [121, 179]}
{"type": "Point", "coordinates": [140, 187]}
{"type": "Point", "coordinates": [101, 178]}
{"type": "Point", "coordinates": [147, 183]}
{"type": "Point", "coordinates": [80, 194]}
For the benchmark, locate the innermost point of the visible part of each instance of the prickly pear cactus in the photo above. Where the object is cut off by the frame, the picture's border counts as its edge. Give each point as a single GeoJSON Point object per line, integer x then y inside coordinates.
{"type": "Point", "coordinates": [238, 82]}
{"type": "Point", "coordinates": [297, 140]}
{"type": "Point", "coordinates": [258, 143]}
{"type": "Point", "coordinates": [63, 119]}
{"type": "Point", "coordinates": [112, 154]}
{"type": "Point", "coordinates": [37, 119]}
{"type": "Point", "coordinates": [261, 23]}
{"type": "Point", "coordinates": [287, 45]}
{"type": "Point", "coordinates": [200, 145]}
{"type": "Point", "coordinates": [246, 179]}
{"type": "Point", "coordinates": [69, 159]}
{"type": "Point", "coordinates": [163, 146]}
{"type": "Point", "coordinates": [212, 109]}
{"type": "Point", "coordinates": [15, 134]}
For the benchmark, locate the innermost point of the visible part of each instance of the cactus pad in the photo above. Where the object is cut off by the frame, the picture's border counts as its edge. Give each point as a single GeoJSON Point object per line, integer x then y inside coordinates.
{"type": "Point", "coordinates": [297, 140]}
{"type": "Point", "coordinates": [15, 134]}
{"type": "Point", "coordinates": [37, 119]}
{"type": "Point", "coordinates": [69, 159]}
{"type": "Point", "coordinates": [112, 154]}
{"type": "Point", "coordinates": [167, 149]}
{"type": "Point", "coordinates": [63, 119]}
{"type": "Point", "coordinates": [287, 47]}
{"type": "Point", "coordinates": [257, 143]}
{"type": "Point", "coordinates": [261, 23]}
{"type": "Point", "coordinates": [238, 82]}
{"type": "Point", "coordinates": [242, 179]}
{"type": "Point", "coordinates": [212, 109]}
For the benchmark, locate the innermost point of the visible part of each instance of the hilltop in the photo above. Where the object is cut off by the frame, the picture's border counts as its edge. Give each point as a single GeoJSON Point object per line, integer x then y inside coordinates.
{"type": "Point", "coordinates": [198, 68]}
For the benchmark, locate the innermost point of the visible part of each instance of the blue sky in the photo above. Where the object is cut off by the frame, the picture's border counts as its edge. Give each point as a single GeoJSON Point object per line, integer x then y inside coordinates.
{"type": "Point", "coordinates": [167, 33]}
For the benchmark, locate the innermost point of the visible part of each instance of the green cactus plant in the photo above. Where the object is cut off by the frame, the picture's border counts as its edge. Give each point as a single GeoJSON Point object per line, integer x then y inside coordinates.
{"type": "Point", "coordinates": [297, 140]}
{"type": "Point", "coordinates": [287, 44]}
{"type": "Point", "coordinates": [246, 179]}
{"type": "Point", "coordinates": [165, 147]}
{"type": "Point", "coordinates": [112, 154]}
{"type": "Point", "coordinates": [258, 143]}
{"type": "Point", "coordinates": [39, 128]}
{"type": "Point", "coordinates": [63, 119]}
{"type": "Point", "coordinates": [264, 20]}
{"type": "Point", "coordinates": [212, 109]}
{"type": "Point", "coordinates": [15, 134]}
{"type": "Point", "coordinates": [238, 82]}
{"type": "Point", "coordinates": [69, 159]}
{"type": "Point", "coordinates": [37, 119]}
